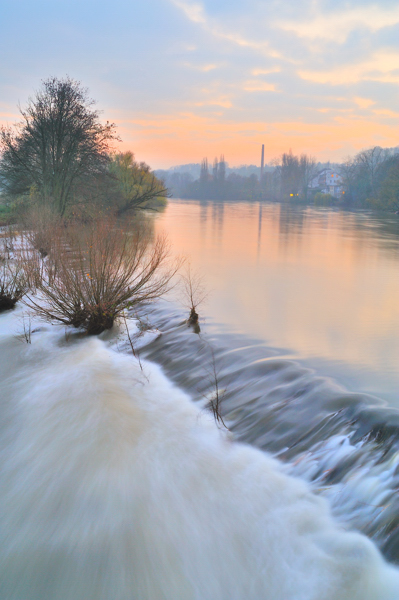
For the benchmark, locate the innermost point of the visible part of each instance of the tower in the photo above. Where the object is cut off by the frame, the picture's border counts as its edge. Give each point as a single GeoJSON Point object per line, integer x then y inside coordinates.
{"type": "Point", "coordinates": [262, 162]}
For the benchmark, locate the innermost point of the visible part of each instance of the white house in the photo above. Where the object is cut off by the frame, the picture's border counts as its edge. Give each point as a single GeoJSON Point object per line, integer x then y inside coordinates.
{"type": "Point", "coordinates": [327, 181]}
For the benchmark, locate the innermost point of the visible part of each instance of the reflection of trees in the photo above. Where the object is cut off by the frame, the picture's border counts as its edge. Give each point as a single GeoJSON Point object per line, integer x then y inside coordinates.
{"type": "Point", "coordinates": [291, 219]}
{"type": "Point", "coordinates": [384, 230]}
{"type": "Point", "coordinates": [213, 210]}
{"type": "Point", "coordinates": [218, 218]}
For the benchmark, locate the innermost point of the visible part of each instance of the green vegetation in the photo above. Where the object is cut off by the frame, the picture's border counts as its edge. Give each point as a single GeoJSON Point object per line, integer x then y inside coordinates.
{"type": "Point", "coordinates": [135, 185]}
{"type": "Point", "coordinates": [80, 264]}
{"type": "Point", "coordinates": [60, 156]}
{"type": "Point", "coordinates": [371, 178]}
{"type": "Point", "coordinates": [6, 214]}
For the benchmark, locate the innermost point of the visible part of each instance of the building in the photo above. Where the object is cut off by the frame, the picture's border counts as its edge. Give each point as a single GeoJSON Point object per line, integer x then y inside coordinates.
{"type": "Point", "coordinates": [327, 181]}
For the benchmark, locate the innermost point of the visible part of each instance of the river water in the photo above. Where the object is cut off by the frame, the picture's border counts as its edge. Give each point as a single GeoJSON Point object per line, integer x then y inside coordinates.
{"type": "Point", "coordinates": [321, 285]}
{"type": "Point", "coordinates": [301, 326]}
{"type": "Point", "coordinates": [117, 484]}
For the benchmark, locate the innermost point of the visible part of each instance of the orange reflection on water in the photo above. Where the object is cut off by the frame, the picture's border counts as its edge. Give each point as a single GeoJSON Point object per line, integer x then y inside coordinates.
{"type": "Point", "coordinates": [322, 283]}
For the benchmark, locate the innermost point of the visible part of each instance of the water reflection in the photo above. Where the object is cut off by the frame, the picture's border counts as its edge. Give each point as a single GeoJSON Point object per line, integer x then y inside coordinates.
{"type": "Point", "coordinates": [321, 283]}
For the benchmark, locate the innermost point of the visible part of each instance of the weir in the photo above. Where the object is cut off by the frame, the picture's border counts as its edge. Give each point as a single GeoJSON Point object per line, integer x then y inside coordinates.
{"type": "Point", "coordinates": [346, 444]}
{"type": "Point", "coordinates": [116, 485]}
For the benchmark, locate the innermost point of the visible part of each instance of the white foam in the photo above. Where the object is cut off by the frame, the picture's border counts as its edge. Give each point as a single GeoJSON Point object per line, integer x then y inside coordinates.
{"type": "Point", "coordinates": [116, 488]}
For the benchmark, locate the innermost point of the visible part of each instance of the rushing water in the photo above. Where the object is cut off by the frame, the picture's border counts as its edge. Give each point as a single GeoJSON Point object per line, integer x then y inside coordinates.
{"type": "Point", "coordinates": [115, 485]}
{"type": "Point", "coordinates": [324, 285]}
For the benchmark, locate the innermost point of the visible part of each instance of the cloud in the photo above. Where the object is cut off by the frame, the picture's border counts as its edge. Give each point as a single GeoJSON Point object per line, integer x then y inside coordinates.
{"type": "Point", "coordinates": [259, 86]}
{"type": "Point", "coordinates": [382, 66]}
{"type": "Point", "coordinates": [224, 102]}
{"type": "Point", "coordinates": [193, 10]}
{"type": "Point", "coordinates": [363, 102]}
{"type": "Point", "coordinates": [386, 113]}
{"type": "Point", "coordinates": [337, 25]}
{"type": "Point", "coordinates": [257, 72]}
{"type": "Point", "coordinates": [235, 70]}
{"type": "Point", "coordinates": [203, 68]}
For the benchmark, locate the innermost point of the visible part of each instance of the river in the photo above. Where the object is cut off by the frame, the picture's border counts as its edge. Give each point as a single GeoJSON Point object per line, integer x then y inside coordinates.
{"type": "Point", "coordinates": [118, 484]}
{"type": "Point", "coordinates": [321, 285]}
{"type": "Point", "coordinates": [301, 326]}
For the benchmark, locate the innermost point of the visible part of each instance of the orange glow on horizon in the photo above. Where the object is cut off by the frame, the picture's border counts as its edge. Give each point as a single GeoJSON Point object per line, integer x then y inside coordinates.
{"type": "Point", "coordinates": [165, 141]}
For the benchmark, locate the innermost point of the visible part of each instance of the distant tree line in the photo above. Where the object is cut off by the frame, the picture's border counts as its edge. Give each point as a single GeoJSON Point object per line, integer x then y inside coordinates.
{"type": "Point", "coordinates": [371, 178]}
{"type": "Point", "coordinates": [60, 156]}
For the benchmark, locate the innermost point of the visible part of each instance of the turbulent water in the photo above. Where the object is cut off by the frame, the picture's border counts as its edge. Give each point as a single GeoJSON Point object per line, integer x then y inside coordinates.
{"type": "Point", "coordinates": [115, 485]}
{"type": "Point", "coordinates": [346, 444]}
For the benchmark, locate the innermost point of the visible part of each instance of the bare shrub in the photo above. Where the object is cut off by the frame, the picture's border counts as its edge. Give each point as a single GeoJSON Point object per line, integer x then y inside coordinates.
{"type": "Point", "coordinates": [7, 238]}
{"type": "Point", "coordinates": [41, 225]}
{"type": "Point", "coordinates": [13, 284]}
{"type": "Point", "coordinates": [194, 293]}
{"type": "Point", "coordinates": [94, 272]}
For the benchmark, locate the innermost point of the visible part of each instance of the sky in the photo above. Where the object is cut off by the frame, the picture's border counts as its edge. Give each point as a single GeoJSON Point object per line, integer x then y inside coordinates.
{"type": "Point", "coordinates": [184, 79]}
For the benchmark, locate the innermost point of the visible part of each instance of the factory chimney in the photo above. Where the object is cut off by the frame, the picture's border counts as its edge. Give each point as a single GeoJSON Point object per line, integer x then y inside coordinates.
{"type": "Point", "coordinates": [262, 162]}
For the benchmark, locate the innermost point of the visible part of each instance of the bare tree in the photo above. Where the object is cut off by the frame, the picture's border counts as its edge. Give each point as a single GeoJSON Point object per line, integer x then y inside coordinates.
{"type": "Point", "coordinates": [295, 173]}
{"type": "Point", "coordinates": [290, 174]}
{"type": "Point", "coordinates": [363, 174]}
{"type": "Point", "coordinates": [307, 165]}
{"type": "Point", "coordinates": [94, 273]}
{"type": "Point", "coordinates": [59, 142]}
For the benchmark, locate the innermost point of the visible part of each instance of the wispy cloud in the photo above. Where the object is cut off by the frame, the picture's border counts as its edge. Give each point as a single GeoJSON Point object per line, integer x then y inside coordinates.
{"type": "Point", "coordinates": [382, 66]}
{"type": "Point", "coordinates": [259, 86]}
{"type": "Point", "coordinates": [224, 102]}
{"type": "Point", "coordinates": [194, 11]}
{"type": "Point", "coordinates": [364, 102]}
{"type": "Point", "coordinates": [203, 68]}
{"type": "Point", "coordinates": [257, 72]}
{"type": "Point", "coordinates": [338, 24]}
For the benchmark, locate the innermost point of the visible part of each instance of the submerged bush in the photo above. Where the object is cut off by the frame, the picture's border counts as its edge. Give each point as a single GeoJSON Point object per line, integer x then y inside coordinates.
{"type": "Point", "coordinates": [13, 284]}
{"type": "Point", "coordinates": [94, 272]}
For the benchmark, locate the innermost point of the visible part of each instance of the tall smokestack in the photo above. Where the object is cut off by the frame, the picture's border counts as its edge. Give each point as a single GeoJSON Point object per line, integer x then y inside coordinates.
{"type": "Point", "coordinates": [262, 162]}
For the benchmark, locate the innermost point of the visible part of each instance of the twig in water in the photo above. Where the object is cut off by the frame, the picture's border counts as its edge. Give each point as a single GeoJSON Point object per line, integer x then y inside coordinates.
{"type": "Point", "coordinates": [135, 354]}
{"type": "Point", "coordinates": [215, 397]}
{"type": "Point", "coordinates": [26, 335]}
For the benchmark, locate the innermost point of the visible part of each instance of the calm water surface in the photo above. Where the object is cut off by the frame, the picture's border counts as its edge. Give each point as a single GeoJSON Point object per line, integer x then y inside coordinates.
{"type": "Point", "coordinates": [321, 285]}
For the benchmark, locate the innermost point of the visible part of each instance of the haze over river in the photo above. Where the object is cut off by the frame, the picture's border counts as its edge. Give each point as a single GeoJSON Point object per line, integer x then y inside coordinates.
{"type": "Point", "coordinates": [319, 284]}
